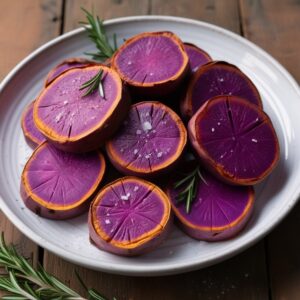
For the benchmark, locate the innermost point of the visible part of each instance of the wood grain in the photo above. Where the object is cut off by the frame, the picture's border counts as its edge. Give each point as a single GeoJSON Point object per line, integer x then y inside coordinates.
{"type": "Point", "coordinates": [105, 9]}
{"type": "Point", "coordinates": [25, 25]}
{"type": "Point", "coordinates": [222, 13]}
{"type": "Point", "coordinates": [274, 25]}
{"type": "Point", "coordinates": [243, 277]}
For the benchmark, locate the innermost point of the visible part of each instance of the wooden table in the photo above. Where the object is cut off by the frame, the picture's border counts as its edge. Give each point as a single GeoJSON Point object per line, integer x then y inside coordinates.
{"type": "Point", "coordinates": [268, 270]}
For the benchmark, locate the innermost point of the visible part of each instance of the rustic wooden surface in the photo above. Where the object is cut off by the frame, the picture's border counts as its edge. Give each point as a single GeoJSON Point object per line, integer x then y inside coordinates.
{"type": "Point", "coordinates": [270, 269]}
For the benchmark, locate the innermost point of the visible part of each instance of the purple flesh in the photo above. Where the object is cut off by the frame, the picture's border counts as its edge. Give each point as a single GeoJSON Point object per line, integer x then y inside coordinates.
{"type": "Point", "coordinates": [238, 137]}
{"type": "Point", "coordinates": [59, 178]}
{"type": "Point", "coordinates": [150, 59]}
{"type": "Point", "coordinates": [150, 137]}
{"type": "Point", "coordinates": [223, 209]}
{"type": "Point", "coordinates": [32, 134]}
{"type": "Point", "coordinates": [197, 56]}
{"type": "Point", "coordinates": [128, 211]}
{"type": "Point", "coordinates": [222, 79]}
{"type": "Point", "coordinates": [66, 112]}
{"type": "Point", "coordinates": [66, 65]}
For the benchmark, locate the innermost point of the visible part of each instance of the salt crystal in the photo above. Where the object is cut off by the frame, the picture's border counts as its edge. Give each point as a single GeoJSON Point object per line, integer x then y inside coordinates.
{"type": "Point", "coordinates": [122, 150]}
{"type": "Point", "coordinates": [135, 151]}
{"type": "Point", "coordinates": [254, 140]}
{"type": "Point", "coordinates": [58, 117]}
{"type": "Point", "coordinates": [212, 130]}
{"type": "Point", "coordinates": [147, 156]}
{"type": "Point", "coordinates": [66, 102]}
{"type": "Point", "coordinates": [138, 131]}
{"type": "Point", "coordinates": [136, 188]}
{"type": "Point", "coordinates": [159, 154]}
{"type": "Point", "coordinates": [125, 197]}
{"type": "Point", "coordinates": [219, 123]}
{"type": "Point", "coordinates": [147, 126]}
{"type": "Point", "coordinates": [151, 74]}
{"type": "Point", "coordinates": [221, 79]}
{"type": "Point", "coordinates": [107, 221]}
{"type": "Point", "coordinates": [129, 63]}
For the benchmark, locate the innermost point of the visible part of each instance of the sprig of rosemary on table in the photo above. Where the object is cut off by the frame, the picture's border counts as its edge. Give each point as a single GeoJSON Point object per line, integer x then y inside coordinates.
{"type": "Point", "coordinates": [95, 83]}
{"type": "Point", "coordinates": [97, 34]}
{"type": "Point", "coordinates": [23, 282]}
{"type": "Point", "coordinates": [190, 187]}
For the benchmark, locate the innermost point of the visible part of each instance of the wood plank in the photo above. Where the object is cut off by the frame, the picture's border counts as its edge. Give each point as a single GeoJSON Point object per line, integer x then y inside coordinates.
{"type": "Point", "coordinates": [274, 25]}
{"type": "Point", "coordinates": [221, 13]}
{"type": "Point", "coordinates": [238, 278]}
{"type": "Point", "coordinates": [105, 9]}
{"type": "Point", "coordinates": [243, 277]}
{"type": "Point", "coordinates": [24, 25]}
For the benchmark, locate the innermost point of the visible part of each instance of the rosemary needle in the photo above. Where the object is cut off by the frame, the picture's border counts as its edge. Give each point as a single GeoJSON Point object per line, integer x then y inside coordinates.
{"type": "Point", "coordinates": [24, 282]}
{"type": "Point", "coordinates": [96, 32]}
{"type": "Point", "coordinates": [189, 185]}
{"type": "Point", "coordinates": [92, 84]}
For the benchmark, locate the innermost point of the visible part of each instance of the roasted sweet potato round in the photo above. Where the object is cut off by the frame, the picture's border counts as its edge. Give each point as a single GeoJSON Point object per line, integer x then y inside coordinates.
{"type": "Point", "coordinates": [235, 139]}
{"type": "Point", "coordinates": [129, 216]}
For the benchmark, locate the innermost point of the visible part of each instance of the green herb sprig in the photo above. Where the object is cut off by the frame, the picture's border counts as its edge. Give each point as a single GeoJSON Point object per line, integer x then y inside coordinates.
{"type": "Point", "coordinates": [23, 282]}
{"type": "Point", "coordinates": [95, 83]}
{"type": "Point", "coordinates": [189, 185]}
{"type": "Point", "coordinates": [96, 32]}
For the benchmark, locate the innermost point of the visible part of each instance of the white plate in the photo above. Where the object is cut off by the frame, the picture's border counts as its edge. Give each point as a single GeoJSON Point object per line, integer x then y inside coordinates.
{"type": "Point", "coordinates": [69, 239]}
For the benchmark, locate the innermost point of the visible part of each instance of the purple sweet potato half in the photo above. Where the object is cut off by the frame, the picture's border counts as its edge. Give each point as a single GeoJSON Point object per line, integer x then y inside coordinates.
{"type": "Point", "coordinates": [59, 185]}
{"type": "Point", "coordinates": [66, 65]}
{"type": "Point", "coordinates": [215, 79]}
{"type": "Point", "coordinates": [197, 56]}
{"type": "Point", "coordinates": [129, 216]}
{"type": "Point", "coordinates": [219, 210]}
{"type": "Point", "coordinates": [152, 63]}
{"type": "Point", "coordinates": [235, 139]}
{"type": "Point", "coordinates": [150, 141]}
{"type": "Point", "coordinates": [78, 123]}
{"type": "Point", "coordinates": [32, 135]}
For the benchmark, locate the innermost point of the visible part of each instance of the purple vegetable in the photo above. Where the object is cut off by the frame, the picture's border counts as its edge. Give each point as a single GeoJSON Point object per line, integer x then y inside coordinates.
{"type": "Point", "coordinates": [152, 63]}
{"type": "Point", "coordinates": [149, 142]}
{"type": "Point", "coordinates": [129, 217]}
{"type": "Point", "coordinates": [197, 56]}
{"type": "Point", "coordinates": [215, 79]}
{"type": "Point", "coordinates": [219, 211]}
{"type": "Point", "coordinates": [32, 135]}
{"type": "Point", "coordinates": [78, 123]}
{"type": "Point", "coordinates": [59, 185]}
{"type": "Point", "coordinates": [66, 65]}
{"type": "Point", "coordinates": [235, 139]}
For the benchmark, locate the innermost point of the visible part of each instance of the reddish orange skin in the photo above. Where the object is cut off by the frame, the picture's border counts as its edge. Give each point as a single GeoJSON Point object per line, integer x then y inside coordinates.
{"type": "Point", "coordinates": [136, 247]}
{"type": "Point", "coordinates": [215, 168]}
{"type": "Point", "coordinates": [57, 212]}
{"type": "Point", "coordinates": [186, 104]}
{"type": "Point", "coordinates": [92, 140]}
{"type": "Point", "coordinates": [164, 168]}
{"type": "Point", "coordinates": [159, 88]}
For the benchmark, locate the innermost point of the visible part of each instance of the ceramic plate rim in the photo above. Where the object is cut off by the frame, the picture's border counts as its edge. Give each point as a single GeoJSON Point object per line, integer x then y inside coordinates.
{"type": "Point", "coordinates": [166, 268]}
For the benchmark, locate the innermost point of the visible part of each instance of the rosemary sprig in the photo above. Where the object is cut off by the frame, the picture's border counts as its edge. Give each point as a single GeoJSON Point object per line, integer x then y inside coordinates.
{"type": "Point", "coordinates": [189, 185]}
{"type": "Point", "coordinates": [23, 282]}
{"type": "Point", "coordinates": [96, 32]}
{"type": "Point", "coordinates": [93, 84]}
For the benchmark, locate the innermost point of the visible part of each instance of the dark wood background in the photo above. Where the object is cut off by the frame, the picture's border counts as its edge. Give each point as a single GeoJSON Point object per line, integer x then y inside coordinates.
{"type": "Point", "coordinates": [268, 270]}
